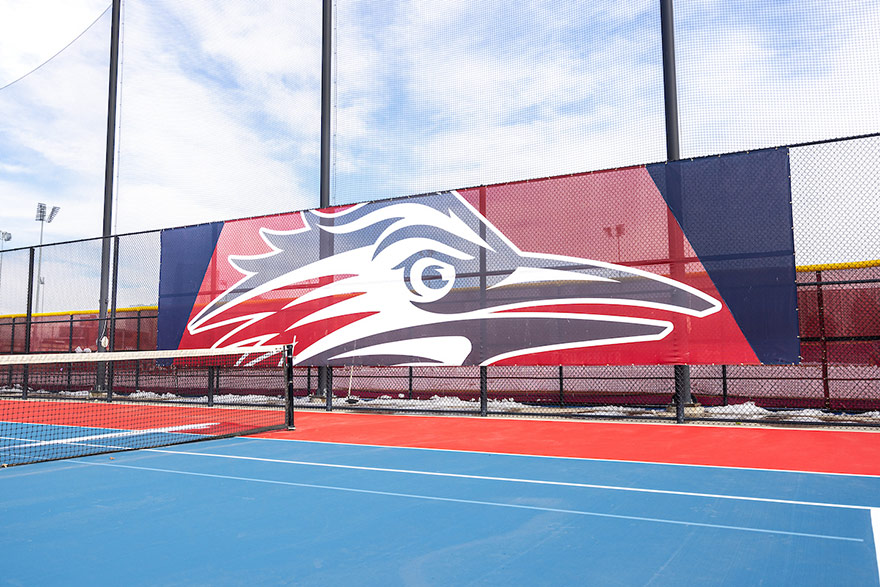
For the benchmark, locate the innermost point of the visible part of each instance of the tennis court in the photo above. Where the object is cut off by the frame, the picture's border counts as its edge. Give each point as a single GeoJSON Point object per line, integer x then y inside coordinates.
{"type": "Point", "coordinates": [374, 499]}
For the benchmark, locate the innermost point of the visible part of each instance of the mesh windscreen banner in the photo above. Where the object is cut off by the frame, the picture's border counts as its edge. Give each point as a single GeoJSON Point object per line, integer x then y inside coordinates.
{"type": "Point", "coordinates": [688, 262]}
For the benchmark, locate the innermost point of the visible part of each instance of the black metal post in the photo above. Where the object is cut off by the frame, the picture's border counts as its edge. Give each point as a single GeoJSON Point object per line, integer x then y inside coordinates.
{"type": "Point", "coordinates": [288, 381]}
{"type": "Point", "coordinates": [484, 390]}
{"type": "Point", "coordinates": [103, 341]}
{"type": "Point", "coordinates": [682, 381]}
{"type": "Point", "coordinates": [210, 386]}
{"type": "Point", "coordinates": [561, 387]}
{"type": "Point", "coordinates": [11, 350]}
{"type": "Point", "coordinates": [326, 95]}
{"type": "Point", "coordinates": [820, 303]}
{"type": "Point", "coordinates": [410, 377]}
{"type": "Point", "coordinates": [724, 383]}
{"type": "Point", "coordinates": [325, 373]}
{"type": "Point", "coordinates": [673, 153]}
{"type": "Point", "coordinates": [70, 350]}
{"type": "Point", "coordinates": [28, 322]}
{"type": "Point", "coordinates": [137, 346]}
{"type": "Point", "coordinates": [113, 292]}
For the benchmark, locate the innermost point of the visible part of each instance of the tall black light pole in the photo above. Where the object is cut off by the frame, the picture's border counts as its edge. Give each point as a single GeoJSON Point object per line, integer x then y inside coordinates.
{"type": "Point", "coordinates": [109, 159]}
{"type": "Point", "coordinates": [673, 153]}
{"type": "Point", "coordinates": [325, 373]}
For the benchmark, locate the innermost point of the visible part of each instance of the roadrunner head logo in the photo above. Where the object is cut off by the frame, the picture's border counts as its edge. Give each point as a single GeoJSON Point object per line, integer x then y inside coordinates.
{"type": "Point", "coordinates": [430, 281]}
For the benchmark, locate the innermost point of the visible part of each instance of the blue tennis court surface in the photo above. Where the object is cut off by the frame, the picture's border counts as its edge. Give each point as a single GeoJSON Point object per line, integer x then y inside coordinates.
{"type": "Point", "coordinates": [258, 511]}
{"type": "Point", "coordinates": [24, 443]}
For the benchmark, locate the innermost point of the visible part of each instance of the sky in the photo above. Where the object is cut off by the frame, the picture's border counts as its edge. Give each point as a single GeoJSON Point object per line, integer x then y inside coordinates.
{"type": "Point", "coordinates": [219, 103]}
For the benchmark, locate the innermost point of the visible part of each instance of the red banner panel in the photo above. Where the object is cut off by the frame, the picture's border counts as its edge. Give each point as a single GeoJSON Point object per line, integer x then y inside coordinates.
{"type": "Point", "coordinates": [590, 269]}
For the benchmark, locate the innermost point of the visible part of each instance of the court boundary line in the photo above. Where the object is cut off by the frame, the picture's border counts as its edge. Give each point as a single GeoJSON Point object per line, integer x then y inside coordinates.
{"type": "Point", "coordinates": [802, 427]}
{"type": "Point", "coordinates": [481, 502]}
{"type": "Point", "coordinates": [518, 480]}
{"type": "Point", "coordinates": [516, 454]}
{"type": "Point", "coordinates": [875, 526]}
{"type": "Point", "coordinates": [121, 434]}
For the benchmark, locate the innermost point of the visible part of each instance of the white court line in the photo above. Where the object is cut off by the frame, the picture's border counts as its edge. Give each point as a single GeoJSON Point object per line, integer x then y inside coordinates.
{"type": "Point", "coordinates": [488, 503]}
{"type": "Point", "coordinates": [529, 456]}
{"type": "Point", "coordinates": [83, 439]}
{"type": "Point", "coordinates": [875, 524]}
{"type": "Point", "coordinates": [18, 439]}
{"type": "Point", "coordinates": [519, 480]}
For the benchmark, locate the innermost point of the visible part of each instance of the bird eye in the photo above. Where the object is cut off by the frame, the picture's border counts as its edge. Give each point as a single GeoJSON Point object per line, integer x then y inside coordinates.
{"type": "Point", "coordinates": [431, 279]}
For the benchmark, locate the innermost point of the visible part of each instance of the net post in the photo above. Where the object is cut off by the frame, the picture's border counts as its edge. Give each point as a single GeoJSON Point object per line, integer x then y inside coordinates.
{"type": "Point", "coordinates": [288, 385]}
{"type": "Point", "coordinates": [484, 390]}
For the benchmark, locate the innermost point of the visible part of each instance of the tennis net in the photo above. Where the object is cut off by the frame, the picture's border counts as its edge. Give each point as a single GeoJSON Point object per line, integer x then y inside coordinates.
{"type": "Point", "coordinates": [56, 406]}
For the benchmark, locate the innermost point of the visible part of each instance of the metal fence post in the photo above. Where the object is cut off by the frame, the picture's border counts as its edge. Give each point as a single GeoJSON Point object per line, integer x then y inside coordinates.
{"type": "Point", "coordinates": [211, 386]}
{"type": "Point", "coordinates": [676, 244]}
{"type": "Point", "coordinates": [724, 383]}
{"type": "Point", "coordinates": [11, 350]}
{"type": "Point", "coordinates": [114, 288]}
{"type": "Point", "coordinates": [328, 386]}
{"type": "Point", "coordinates": [410, 377]}
{"type": "Point", "coordinates": [682, 381]}
{"type": "Point", "coordinates": [28, 321]}
{"type": "Point", "coordinates": [484, 390]}
{"type": "Point", "coordinates": [820, 302]}
{"type": "Point", "coordinates": [561, 387]}
{"type": "Point", "coordinates": [70, 350]}
{"type": "Point", "coordinates": [288, 381]}
{"type": "Point", "coordinates": [137, 346]}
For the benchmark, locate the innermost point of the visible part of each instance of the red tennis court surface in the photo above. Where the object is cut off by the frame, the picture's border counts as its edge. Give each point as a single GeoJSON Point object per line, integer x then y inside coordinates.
{"type": "Point", "coordinates": [827, 451]}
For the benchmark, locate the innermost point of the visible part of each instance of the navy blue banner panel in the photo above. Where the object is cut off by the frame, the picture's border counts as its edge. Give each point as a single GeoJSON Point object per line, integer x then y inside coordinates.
{"type": "Point", "coordinates": [184, 262]}
{"type": "Point", "coordinates": [735, 211]}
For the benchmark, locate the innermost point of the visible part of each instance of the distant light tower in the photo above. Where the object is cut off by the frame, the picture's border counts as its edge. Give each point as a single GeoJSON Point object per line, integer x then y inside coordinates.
{"type": "Point", "coordinates": [4, 236]}
{"type": "Point", "coordinates": [616, 231]}
{"type": "Point", "coordinates": [43, 219]}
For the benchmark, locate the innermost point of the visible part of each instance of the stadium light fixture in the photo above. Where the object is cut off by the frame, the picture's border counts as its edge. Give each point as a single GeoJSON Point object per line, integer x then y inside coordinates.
{"type": "Point", "coordinates": [4, 237]}
{"type": "Point", "coordinates": [42, 219]}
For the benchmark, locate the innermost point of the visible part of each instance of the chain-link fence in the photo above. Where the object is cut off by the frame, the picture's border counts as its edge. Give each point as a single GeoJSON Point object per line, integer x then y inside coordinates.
{"type": "Point", "coordinates": [49, 303]}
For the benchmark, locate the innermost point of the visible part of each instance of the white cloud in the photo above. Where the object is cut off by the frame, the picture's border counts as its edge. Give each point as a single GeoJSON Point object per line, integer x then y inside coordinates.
{"type": "Point", "coordinates": [469, 94]}
{"type": "Point", "coordinates": [744, 86]}
{"type": "Point", "coordinates": [220, 104]}
{"type": "Point", "coordinates": [31, 33]}
{"type": "Point", "coordinates": [52, 139]}
{"type": "Point", "coordinates": [218, 121]}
